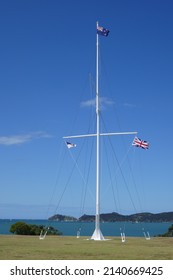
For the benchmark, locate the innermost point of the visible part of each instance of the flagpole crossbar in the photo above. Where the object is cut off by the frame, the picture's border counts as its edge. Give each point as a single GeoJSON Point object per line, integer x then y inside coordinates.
{"type": "Point", "coordinates": [101, 134]}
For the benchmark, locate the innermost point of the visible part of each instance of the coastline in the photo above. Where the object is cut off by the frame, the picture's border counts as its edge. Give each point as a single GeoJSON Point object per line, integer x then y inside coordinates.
{"type": "Point", "coordinates": [109, 228]}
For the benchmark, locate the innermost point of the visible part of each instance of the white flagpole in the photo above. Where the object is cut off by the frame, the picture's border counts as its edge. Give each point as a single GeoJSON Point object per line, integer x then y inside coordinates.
{"type": "Point", "coordinates": [97, 235]}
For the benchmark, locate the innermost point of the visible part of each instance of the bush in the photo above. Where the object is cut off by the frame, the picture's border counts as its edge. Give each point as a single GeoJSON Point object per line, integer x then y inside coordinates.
{"type": "Point", "coordinates": [169, 233]}
{"type": "Point", "coordinates": [27, 229]}
{"type": "Point", "coordinates": [20, 228]}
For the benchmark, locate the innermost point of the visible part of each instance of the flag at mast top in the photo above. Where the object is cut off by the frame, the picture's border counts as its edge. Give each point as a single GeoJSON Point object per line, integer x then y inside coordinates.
{"type": "Point", "coordinates": [102, 31]}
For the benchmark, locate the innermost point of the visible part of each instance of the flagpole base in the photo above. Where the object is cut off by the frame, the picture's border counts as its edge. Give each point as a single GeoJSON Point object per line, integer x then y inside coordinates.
{"type": "Point", "coordinates": [97, 235]}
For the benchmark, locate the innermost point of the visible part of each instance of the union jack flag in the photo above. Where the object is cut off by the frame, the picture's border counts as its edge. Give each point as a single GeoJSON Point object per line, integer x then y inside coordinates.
{"type": "Point", "coordinates": [140, 143]}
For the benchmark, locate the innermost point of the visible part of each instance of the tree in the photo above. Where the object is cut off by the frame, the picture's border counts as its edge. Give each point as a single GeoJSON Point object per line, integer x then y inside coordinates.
{"type": "Point", "coordinates": [22, 228]}
{"type": "Point", "coordinates": [169, 233]}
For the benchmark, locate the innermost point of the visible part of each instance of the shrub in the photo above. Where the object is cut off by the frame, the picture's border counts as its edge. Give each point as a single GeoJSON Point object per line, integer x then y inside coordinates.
{"type": "Point", "coordinates": [27, 229]}
{"type": "Point", "coordinates": [169, 233]}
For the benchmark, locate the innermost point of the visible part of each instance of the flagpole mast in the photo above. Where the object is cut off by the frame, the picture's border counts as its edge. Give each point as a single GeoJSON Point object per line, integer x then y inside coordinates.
{"type": "Point", "coordinates": [97, 235]}
{"type": "Point", "coordinates": [97, 222]}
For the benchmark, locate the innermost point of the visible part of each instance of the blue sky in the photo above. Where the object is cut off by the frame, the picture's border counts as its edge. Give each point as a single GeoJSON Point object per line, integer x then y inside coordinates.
{"type": "Point", "coordinates": [47, 76]}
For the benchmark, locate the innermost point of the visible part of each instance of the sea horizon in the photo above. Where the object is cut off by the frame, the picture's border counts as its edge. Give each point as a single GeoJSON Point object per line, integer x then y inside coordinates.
{"type": "Point", "coordinates": [71, 228]}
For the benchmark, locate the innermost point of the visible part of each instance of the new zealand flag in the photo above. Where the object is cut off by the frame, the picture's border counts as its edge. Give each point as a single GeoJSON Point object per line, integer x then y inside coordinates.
{"type": "Point", "coordinates": [102, 31]}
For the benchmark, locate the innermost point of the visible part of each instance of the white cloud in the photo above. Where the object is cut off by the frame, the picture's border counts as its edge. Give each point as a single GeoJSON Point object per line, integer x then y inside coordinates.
{"type": "Point", "coordinates": [104, 102]}
{"type": "Point", "coordinates": [88, 103]}
{"type": "Point", "coordinates": [22, 138]}
{"type": "Point", "coordinates": [130, 105]}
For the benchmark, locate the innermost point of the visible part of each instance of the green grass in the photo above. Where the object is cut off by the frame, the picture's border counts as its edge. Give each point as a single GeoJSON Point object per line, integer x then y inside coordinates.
{"type": "Point", "coordinates": [13, 247]}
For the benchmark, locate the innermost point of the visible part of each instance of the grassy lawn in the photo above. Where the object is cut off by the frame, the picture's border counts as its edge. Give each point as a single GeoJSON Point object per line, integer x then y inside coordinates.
{"type": "Point", "coordinates": [70, 248]}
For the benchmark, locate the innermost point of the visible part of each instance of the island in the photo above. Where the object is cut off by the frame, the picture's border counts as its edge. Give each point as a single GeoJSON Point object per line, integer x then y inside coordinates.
{"type": "Point", "coordinates": [116, 217]}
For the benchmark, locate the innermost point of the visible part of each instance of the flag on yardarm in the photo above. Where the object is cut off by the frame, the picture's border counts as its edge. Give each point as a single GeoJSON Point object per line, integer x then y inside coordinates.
{"type": "Point", "coordinates": [140, 143]}
{"type": "Point", "coordinates": [102, 31]}
{"type": "Point", "coordinates": [70, 145]}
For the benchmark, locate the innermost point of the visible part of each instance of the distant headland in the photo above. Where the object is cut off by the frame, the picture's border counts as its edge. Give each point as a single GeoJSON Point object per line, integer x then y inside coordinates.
{"type": "Point", "coordinates": [116, 217]}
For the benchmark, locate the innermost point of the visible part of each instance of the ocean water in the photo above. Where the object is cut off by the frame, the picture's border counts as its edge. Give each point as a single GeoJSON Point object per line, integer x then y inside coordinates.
{"type": "Point", "coordinates": [87, 228]}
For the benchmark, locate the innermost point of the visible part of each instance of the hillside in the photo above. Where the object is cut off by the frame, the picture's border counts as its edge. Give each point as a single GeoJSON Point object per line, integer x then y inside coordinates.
{"type": "Point", "coordinates": [64, 218]}
{"type": "Point", "coordinates": [116, 217]}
